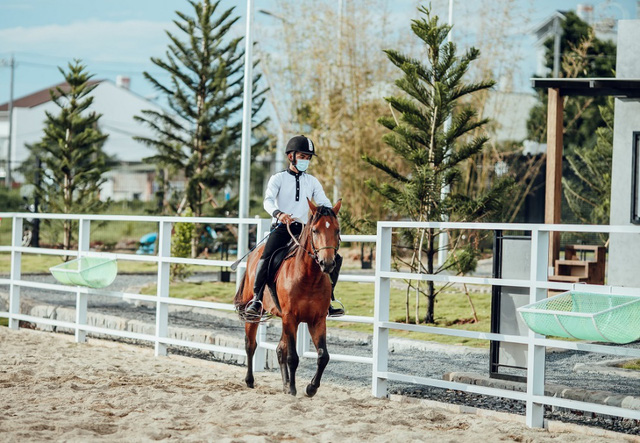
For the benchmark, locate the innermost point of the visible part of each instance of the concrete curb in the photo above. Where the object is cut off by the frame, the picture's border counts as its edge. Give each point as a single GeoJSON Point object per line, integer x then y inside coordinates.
{"type": "Point", "coordinates": [599, 397]}
{"type": "Point", "coordinates": [608, 367]}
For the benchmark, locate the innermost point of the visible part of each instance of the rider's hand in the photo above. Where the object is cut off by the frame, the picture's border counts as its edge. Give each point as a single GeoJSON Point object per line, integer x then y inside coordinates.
{"type": "Point", "coordinates": [285, 218]}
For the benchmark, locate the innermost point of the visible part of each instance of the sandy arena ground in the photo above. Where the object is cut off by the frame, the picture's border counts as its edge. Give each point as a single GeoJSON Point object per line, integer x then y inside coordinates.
{"type": "Point", "coordinates": [52, 389]}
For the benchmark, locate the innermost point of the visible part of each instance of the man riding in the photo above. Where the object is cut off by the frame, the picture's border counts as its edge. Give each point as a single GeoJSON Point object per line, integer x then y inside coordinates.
{"type": "Point", "coordinates": [286, 200]}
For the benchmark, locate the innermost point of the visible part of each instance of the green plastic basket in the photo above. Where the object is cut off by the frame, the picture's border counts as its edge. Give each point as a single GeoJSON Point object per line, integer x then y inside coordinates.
{"type": "Point", "coordinates": [586, 316]}
{"type": "Point", "coordinates": [94, 272]}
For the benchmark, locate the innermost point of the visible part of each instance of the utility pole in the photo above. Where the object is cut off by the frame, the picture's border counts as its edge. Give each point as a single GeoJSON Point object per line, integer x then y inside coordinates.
{"type": "Point", "coordinates": [443, 241]}
{"type": "Point", "coordinates": [245, 159]}
{"type": "Point", "coordinates": [557, 34]}
{"type": "Point", "coordinates": [12, 65]}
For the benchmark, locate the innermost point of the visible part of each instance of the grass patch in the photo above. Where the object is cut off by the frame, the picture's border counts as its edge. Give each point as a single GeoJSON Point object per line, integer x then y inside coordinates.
{"type": "Point", "coordinates": [452, 309]}
{"type": "Point", "coordinates": [36, 263]}
{"type": "Point", "coordinates": [4, 321]}
{"type": "Point", "coordinates": [634, 365]}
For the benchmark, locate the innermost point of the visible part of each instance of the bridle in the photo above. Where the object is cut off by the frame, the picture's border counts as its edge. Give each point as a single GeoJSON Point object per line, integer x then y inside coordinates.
{"type": "Point", "coordinates": [315, 250]}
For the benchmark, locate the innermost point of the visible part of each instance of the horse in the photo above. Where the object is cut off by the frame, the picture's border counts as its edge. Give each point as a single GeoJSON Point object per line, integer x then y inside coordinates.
{"type": "Point", "coordinates": [302, 294]}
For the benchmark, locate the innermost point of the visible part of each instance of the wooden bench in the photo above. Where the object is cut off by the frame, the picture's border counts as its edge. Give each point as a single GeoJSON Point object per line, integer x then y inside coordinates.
{"type": "Point", "coordinates": [581, 264]}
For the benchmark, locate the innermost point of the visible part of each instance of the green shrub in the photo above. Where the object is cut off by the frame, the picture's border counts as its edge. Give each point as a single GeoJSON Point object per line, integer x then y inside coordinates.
{"type": "Point", "coordinates": [181, 247]}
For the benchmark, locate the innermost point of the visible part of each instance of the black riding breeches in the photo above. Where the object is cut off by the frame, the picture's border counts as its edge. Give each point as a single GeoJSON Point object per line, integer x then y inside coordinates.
{"type": "Point", "coordinates": [279, 238]}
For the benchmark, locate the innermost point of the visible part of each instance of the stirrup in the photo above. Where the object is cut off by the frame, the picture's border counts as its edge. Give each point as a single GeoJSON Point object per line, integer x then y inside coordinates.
{"type": "Point", "coordinates": [254, 318]}
{"type": "Point", "coordinates": [338, 312]}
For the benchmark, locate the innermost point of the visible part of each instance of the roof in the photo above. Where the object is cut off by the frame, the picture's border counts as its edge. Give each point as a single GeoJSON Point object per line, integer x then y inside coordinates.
{"type": "Point", "coordinates": [40, 97]}
{"type": "Point", "coordinates": [594, 87]}
{"type": "Point", "coordinates": [545, 27]}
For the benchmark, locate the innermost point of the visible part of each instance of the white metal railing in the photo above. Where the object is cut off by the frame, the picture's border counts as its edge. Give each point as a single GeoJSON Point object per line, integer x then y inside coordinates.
{"type": "Point", "coordinates": [162, 299]}
{"type": "Point", "coordinates": [537, 283]}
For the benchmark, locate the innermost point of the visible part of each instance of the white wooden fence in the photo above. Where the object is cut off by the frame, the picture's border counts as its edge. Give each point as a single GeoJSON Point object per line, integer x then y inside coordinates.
{"type": "Point", "coordinates": [537, 283]}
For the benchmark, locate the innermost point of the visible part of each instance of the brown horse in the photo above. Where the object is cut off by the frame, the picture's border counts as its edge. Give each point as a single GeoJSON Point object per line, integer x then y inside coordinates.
{"type": "Point", "coordinates": [303, 294]}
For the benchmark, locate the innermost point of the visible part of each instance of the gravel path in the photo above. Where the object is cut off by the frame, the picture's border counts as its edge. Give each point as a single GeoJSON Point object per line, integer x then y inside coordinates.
{"type": "Point", "coordinates": [433, 363]}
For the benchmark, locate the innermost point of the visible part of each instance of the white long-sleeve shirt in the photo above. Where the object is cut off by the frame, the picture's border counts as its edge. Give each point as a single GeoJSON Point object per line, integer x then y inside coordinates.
{"type": "Point", "coordinates": [288, 192]}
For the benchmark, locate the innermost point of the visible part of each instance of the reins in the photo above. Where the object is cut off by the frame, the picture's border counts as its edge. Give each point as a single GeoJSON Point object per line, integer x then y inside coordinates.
{"type": "Point", "coordinates": [313, 255]}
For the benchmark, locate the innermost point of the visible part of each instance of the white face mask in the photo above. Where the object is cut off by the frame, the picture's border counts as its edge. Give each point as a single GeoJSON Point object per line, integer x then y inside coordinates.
{"type": "Point", "coordinates": [302, 165]}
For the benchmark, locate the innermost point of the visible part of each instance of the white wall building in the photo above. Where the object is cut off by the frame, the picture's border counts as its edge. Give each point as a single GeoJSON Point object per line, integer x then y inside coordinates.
{"type": "Point", "coordinates": [118, 105]}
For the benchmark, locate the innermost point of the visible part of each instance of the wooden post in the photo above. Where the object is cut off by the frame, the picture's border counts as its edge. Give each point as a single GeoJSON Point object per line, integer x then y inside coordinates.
{"type": "Point", "coordinates": [553, 193]}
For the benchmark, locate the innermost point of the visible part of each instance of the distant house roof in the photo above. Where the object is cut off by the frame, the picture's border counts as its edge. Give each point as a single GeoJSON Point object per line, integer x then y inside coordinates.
{"type": "Point", "coordinates": [40, 97]}
{"type": "Point", "coordinates": [545, 28]}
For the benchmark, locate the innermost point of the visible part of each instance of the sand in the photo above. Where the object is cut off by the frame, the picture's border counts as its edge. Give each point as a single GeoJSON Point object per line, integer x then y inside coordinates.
{"type": "Point", "coordinates": [54, 389]}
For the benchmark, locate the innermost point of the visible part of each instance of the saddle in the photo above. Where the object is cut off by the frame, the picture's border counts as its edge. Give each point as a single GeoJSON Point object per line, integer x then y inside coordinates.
{"type": "Point", "coordinates": [275, 262]}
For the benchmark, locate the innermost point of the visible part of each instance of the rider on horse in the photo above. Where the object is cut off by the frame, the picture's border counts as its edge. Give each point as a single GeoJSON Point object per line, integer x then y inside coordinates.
{"type": "Point", "coordinates": [286, 200]}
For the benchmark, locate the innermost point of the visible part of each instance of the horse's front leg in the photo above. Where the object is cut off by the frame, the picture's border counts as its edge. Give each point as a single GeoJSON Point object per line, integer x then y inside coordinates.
{"type": "Point", "coordinates": [318, 331]}
{"type": "Point", "coordinates": [281, 351]}
{"type": "Point", "coordinates": [288, 356]}
{"type": "Point", "coordinates": [250, 345]}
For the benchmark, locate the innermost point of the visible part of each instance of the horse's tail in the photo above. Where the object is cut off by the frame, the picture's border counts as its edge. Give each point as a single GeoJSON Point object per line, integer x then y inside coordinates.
{"type": "Point", "coordinates": [237, 300]}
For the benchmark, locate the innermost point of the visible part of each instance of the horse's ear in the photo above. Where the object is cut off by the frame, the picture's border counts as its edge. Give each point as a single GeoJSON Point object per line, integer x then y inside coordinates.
{"type": "Point", "coordinates": [336, 208]}
{"type": "Point", "coordinates": [313, 207]}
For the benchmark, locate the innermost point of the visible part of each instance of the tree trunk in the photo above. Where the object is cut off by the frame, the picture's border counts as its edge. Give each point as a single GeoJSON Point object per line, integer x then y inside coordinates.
{"type": "Point", "coordinates": [429, 317]}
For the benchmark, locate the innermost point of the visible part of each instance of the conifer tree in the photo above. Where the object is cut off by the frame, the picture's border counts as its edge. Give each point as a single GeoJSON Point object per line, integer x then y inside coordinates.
{"type": "Point", "coordinates": [587, 186]}
{"type": "Point", "coordinates": [201, 138]}
{"type": "Point", "coordinates": [430, 154]}
{"type": "Point", "coordinates": [70, 152]}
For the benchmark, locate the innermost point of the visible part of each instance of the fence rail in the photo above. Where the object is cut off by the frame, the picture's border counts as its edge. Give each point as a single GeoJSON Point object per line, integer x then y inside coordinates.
{"type": "Point", "coordinates": [537, 283]}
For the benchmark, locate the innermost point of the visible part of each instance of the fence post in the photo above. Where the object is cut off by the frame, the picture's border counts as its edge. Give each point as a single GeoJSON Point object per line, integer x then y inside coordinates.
{"type": "Point", "coordinates": [536, 353]}
{"type": "Point", "coordinates": [84, 231]}
{"type": "Point", "coordinates": [381, 312]}
{"type": "Point", "coordinates": [162, 291]}
{"type": "Point", "coordinates": [303, 340]}
{"type": "Point", "coordinates": [16, 272]}
{"type": "Point", "coordinates": [260, 356]}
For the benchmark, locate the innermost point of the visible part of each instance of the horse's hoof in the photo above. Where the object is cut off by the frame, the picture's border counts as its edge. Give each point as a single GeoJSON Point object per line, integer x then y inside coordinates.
{"type": "Point", "coordinates": [293, 392]}
{"type": "Point", "coordinates": [311, 390]}
{"type": "Point", "coordinates": [249, 383]}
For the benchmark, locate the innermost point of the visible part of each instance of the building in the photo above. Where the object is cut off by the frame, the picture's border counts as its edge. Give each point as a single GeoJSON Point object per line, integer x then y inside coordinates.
{"type": "Point", "coordinates": [132, 178]}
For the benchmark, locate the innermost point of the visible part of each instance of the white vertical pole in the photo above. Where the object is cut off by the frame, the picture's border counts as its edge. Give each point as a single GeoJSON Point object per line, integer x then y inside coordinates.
{"type": "Point", "coordinates": [535, 353]}
{"type": "Point", "coordinates": [303, 339]}
{"type": "Point", "coordinates": [245, 159]}
{"type": "Point", "coordinates": [443, 237]}
{"type": "Point", "coordinates": [260, 356]}
{"type": "Point", "coordinates": [84, 231]}
{"type": "Point", "coordinates": [16, 272]}
{"type": "Point", "coordinates": [557, 33]}
{"type": "Point", "coordinates": [8, 180]}
{"type": "Point", "coordinates": [162, 309]}
{"type": "Point", "coordinates": [381, 313]}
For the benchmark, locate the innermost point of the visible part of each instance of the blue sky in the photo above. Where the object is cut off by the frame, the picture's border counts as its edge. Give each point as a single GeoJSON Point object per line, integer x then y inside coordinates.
{"type": "Point", "coordinates": [117, 37]}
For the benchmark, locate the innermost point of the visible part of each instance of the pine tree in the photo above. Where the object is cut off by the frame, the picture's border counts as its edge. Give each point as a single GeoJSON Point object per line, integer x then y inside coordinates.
{"type": "Point", "coordinates": [429, 153]}
{"type": "Point", "coordinates": [583, 56]}
{"type": "Point", "coordinates": [72, 159]}
{"type": "Point", "coordinates": [202, 136]}
{"type": "Point", "coordinates": [587, 186]}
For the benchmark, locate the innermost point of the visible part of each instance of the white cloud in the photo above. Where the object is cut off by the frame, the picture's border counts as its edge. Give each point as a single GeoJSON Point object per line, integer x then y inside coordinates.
{"type": "Point", "coordinates": [95, 40]}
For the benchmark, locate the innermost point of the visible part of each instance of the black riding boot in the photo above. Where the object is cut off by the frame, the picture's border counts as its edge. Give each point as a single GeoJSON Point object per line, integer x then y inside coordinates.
{"type": "Point", "coordinates": [254, 308]}
{"type": "Point", "coordinates": [335, 312]}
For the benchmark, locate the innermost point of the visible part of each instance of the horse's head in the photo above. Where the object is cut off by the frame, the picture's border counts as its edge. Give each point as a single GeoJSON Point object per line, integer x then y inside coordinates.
{"type": "Point", "coordinates": [323, 232]}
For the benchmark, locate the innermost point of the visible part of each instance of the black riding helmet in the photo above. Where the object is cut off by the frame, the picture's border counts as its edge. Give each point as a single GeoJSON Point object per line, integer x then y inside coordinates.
{"type": "Point", "coordinates": [302, 144]}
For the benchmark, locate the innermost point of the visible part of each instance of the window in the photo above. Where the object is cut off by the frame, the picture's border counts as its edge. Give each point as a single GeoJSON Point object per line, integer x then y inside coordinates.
{"type": "Point", "coordinates": [635, 179]}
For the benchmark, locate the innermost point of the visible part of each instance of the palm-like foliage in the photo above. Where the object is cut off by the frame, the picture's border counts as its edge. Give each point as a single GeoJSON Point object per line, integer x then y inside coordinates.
{"type": "Point", "coordinates": [202, 136]}
{"type": "Point", "coordinates": [72, 159]}
{"type": "Point", "coordinates": [431, 151]}
{"type": "Point", "coordinates": [587, 187]}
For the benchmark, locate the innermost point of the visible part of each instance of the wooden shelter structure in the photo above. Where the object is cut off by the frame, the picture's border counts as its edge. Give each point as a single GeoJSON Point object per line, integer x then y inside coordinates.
{"type": "Point", "coordinates": [558, 89]}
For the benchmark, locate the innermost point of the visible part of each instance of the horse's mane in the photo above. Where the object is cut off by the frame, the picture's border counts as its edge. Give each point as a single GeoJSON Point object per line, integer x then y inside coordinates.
{"type": "Point", "coordinates": [320, 212]}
